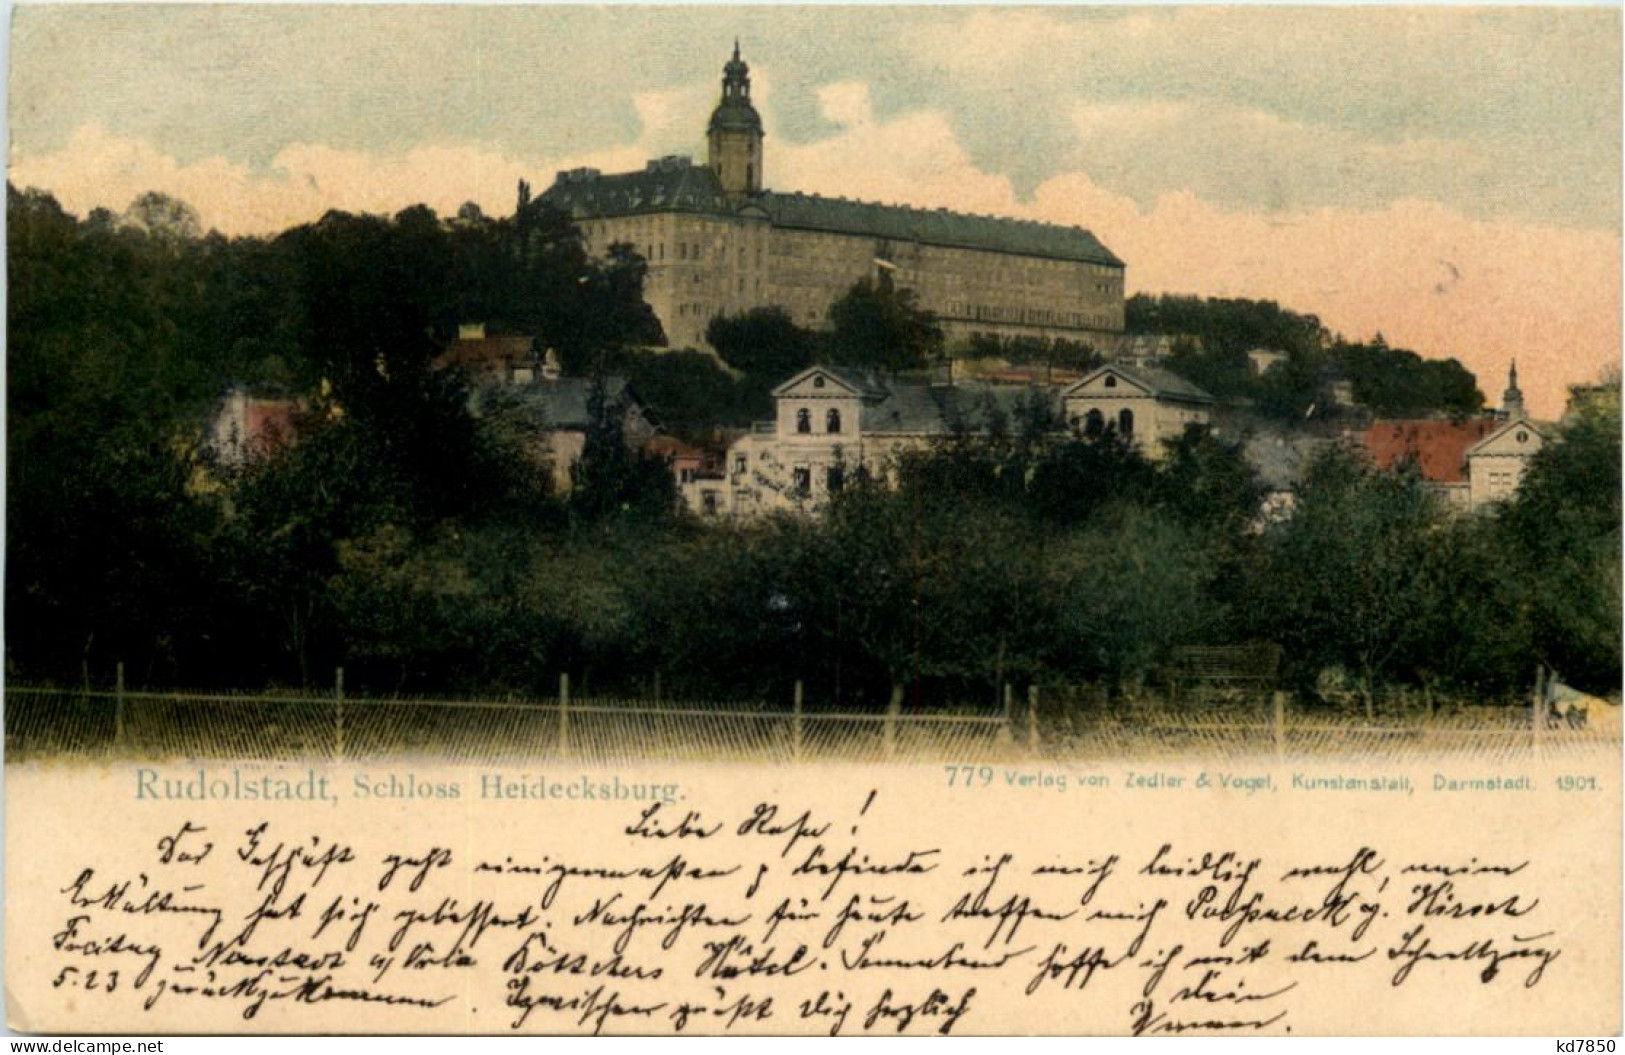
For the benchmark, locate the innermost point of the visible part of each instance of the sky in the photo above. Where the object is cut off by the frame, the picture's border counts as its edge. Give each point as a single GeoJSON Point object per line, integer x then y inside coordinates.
{"type": "Point", "coordinates": [1447, 176]}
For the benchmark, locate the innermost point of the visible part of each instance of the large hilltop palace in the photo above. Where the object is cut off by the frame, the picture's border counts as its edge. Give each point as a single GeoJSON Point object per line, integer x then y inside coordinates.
{"type": "Point", "coordinates": [718, 243]}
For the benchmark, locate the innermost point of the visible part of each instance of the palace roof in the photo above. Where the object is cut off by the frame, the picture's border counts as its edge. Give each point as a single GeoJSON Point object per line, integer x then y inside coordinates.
{"type": "Point", "coordinates": [676, 184]}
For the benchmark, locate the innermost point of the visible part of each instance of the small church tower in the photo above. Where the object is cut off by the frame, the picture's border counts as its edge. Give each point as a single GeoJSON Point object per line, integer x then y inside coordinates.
{"type": "Point", "coordinates": [1512, 398]}
{"type": "Point", "coordinates": [734, 136]}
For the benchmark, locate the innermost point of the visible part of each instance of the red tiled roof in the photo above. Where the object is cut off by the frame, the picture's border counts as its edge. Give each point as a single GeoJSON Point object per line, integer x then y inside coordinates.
{"type": "Point", "coordinates": [1439, 448]}
{"type": "Point", "coordinates": [673, 446]}
{"type": "Point", "coordinates": [270, 422]}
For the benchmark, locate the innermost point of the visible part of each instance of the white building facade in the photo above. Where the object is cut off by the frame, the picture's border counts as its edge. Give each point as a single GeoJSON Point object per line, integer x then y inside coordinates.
{"type": "Point", "coordinates": [1142, 404]}
{"type": "Point", "coordinates": [830, 423]}
{"type": "Point", "coordinates": [1496, 464]}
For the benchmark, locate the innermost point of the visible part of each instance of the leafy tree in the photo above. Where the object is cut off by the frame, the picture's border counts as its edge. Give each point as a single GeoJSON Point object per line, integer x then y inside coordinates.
{"type": "Point", "coordinates": [1396, 383]}
{"type": "Point", "coordinates": [1225, 326]}
{"type": "Point", "coordinates": [1023, 351]}
{"type": "Point", "coordinates": [689, 394]}
{"type": "Point", "coordinates": [1074, 480]}
{"type": "Point", "coordinates": [923, 594]}
{"type": "Point", "coordinates": [164, 217]}
{"type": "Point", "coordinates": [1126, 590]}
{"type": "Point", "coordinates": [1563, 533]}
{"type": "Point", "coordinates": [530, 274]}
{"type": "Point", "coordinates": [612, 478]}
{"type": "Point", "coordinates": [765, 344]}
{"type": "Point", "coordinates": [1206, 482]}
{"type": "Point", "coordinates": [1213, 336]}
{"type": "Point", "coordinates": [105, 537]}
{"type": "Point", "coordinates": [1344, 577]}
{"type": "Point", "coordinates": [875, 326]}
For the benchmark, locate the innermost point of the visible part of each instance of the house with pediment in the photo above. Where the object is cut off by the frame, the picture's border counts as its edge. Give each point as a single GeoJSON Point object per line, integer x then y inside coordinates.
{"type": "Point", "coordinates": [1140, 403]}
{"type": "Point", "coordinates": [831, 421]}
{"type": "Point", "coordinates": [1471, 463]}
{"type": "Point", "coordinates": [1496, 463]}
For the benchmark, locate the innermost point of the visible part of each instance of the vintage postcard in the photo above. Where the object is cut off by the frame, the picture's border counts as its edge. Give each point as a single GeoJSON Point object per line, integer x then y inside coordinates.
{"type": "Point", "coordinates": [859, 521]}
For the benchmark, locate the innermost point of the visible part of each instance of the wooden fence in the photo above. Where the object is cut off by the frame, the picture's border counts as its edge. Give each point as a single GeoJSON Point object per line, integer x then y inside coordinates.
{"type": "Point", "coordinates": [52, 722]}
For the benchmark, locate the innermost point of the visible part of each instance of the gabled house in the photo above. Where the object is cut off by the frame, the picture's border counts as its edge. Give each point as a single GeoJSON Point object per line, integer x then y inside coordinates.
{"type": "Point", "coordinates": [1143, 404]}
{"type": "Point", "coordinates": [555, 414]}
{"type": "Point", "coordinates": [1436, 448]}
{"type": "Point", "coordinates": [1496, 463]}
{"type": "Point", "coordinates": [1469, 463]}
{"type": "Point", "coordinates": [829, 422]}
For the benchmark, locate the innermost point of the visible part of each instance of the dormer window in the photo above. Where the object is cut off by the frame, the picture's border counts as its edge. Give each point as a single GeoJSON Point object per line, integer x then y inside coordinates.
{"type": "Point", "coordinates": [832, 420]}
{"type": "Point", "coordinates": [804, 420]}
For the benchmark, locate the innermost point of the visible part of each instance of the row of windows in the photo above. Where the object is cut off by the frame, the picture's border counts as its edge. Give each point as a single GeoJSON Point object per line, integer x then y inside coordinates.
{"type": "Point", "coordinates": [801, 479]}
{"type": "Point", "coordinates": [1027, 316]}
{"type": "Point", "coordinates": [832, 420]}
{"type": "Point", "coordinates": [1094, 423]}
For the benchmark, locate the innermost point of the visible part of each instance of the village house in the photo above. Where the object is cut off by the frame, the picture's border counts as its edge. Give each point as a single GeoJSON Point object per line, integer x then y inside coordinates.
{"type": "Point", "coordinates": [554, 414]}
{"type": "Point", "coordinates": [830, 422]}
{"type": "Point", "coordinates": [1144, 404]}
{"type": "Point", "coordinates": [511, 377]}
{"type": "Point", "coordinates": [1470, 464]}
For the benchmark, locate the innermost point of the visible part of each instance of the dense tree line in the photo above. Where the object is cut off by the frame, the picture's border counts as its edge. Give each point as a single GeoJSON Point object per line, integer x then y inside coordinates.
{"type": "Point", "coordinates": [1213, 336]}
{"type": "Point", "coordinates": [422, 549]}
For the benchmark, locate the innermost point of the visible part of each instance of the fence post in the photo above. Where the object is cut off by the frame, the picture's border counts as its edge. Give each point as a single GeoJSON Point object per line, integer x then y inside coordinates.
{"type": "Point", "coordinates": [338, 711]}
{"type": "Point", "coordinates": [1007, 734]}
{"type": "Point", "coordinates": [1278, 721]}
{"type": "Point", "coordinates": [1032, 718]}
{"type": "Point", "coordinates": [118, 705]}
{"type": "Point", "coordinates": [889, 728]}
{"type": "Point", "coordinates": [564, 716]}
{"type": "Point", "coordinates": [1537, 710]}
{"type": "Point", "coordinates": [797, 725]}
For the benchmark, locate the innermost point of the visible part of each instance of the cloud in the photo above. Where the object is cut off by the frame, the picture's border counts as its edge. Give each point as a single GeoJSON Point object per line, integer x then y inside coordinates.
{"type": "Point", "coordinates": [97, 168]}
{"type": "Point", "coordinates": [914, 158]}
{"type": "Point", "coordinates": [1498, 112]}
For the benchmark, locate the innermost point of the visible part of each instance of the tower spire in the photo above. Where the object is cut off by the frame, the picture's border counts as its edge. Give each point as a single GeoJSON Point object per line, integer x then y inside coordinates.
{"type": "Point", "coordinates": [734, 135]}
{"type": "Point", "coordinates": [1512, 398]}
